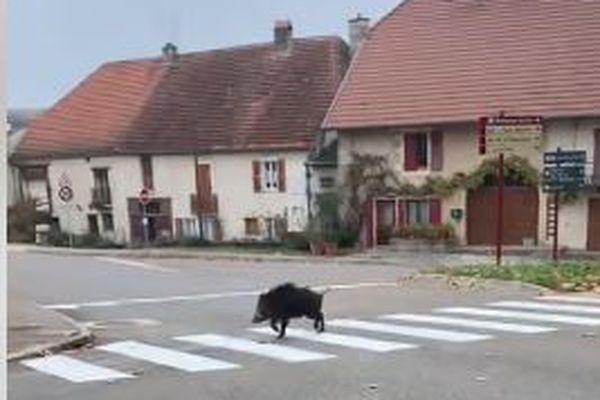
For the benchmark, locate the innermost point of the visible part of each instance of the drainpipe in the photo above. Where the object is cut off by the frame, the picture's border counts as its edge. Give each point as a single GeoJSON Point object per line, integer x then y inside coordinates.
{"type": "Point", "coordinates": [308, 191]}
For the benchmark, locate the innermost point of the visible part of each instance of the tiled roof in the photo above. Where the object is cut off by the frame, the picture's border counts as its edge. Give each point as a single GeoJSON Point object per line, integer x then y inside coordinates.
{"type": "Point", "coordinates": [249, 97]}
{"type": "Point", "coordinates": [435, 61]}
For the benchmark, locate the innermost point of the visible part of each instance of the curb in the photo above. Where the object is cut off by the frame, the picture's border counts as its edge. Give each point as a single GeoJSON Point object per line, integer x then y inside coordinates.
{"type": "Point", "coordinates": [80, 338]}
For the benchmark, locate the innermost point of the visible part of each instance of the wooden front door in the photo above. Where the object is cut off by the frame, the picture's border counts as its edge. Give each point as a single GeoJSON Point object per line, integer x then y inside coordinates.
{"type": "Point", "coordinates": [520, 215]}
{"type": "Point", "coordinates": [204, 192]}
{"type": "Point", "coordinates": [593, 242]}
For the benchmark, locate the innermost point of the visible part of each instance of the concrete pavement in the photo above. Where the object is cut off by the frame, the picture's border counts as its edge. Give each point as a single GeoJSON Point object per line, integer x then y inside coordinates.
{"type": "Point", "coordinates": [34, 331]}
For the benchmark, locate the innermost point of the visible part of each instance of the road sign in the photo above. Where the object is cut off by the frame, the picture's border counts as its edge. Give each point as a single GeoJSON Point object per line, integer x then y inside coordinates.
{"type": "Point", "coordinates": [565, 157]}
{"type": "Point", "coordinates": [510, 134]}
{"type": "Point", "coordinates": [144, 196]}
{"type": "Point", "coordinates": [65, 193]}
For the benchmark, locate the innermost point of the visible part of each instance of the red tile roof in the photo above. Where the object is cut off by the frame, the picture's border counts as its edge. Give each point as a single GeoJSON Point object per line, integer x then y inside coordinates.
{"type": "Point", "coordinates": [435, 61]}
{"type": "Point", "coordinates": [243, 98]}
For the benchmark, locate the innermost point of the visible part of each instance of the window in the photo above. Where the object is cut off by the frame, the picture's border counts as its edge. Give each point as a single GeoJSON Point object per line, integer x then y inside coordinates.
{"type": "Point", "coordinates": [327, 182]}
{"type": "Point", "coordinates": [270, 227]}
{"type": "Point", "coordinates": [252, 227]}
{"type": "Point", "coordinates": [417, 212]}
{"type": "Point", "coordinates": [101, 190]}
{"type": "Point", "coordinates": [423, 150]}
{"type": "Point", "coordinates": [270, 176]}
{"type": "Point", "coordinates": [147, 177]}
{"type": "Point", "coordinates": [93, 224]}
{"type": "Point", "coordinates": [108, 223]}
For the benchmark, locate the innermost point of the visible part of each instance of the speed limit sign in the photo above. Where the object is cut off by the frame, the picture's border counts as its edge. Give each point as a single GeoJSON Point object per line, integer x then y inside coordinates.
{"type": "Point", "coordinates": [65, 193]}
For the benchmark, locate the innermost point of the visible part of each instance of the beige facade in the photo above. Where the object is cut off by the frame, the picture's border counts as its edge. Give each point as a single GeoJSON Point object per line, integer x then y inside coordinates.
{"type": "Point", "coordinates": [460, 154]}
{"type": "Point", "coordinates": [174, 177]}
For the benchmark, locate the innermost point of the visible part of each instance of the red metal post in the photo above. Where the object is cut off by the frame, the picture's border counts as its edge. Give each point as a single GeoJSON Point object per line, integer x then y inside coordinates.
{"type": "Point", "coordinates": [500, 209]}
{"type": "Point", "coordinates": [555, 236]}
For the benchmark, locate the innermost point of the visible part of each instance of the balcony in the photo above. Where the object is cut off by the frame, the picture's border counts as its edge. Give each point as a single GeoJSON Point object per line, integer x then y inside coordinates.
{"type": "Point", "coordinates": [204, 205]}
{"type": "Point", "coordinates": [101, 198]}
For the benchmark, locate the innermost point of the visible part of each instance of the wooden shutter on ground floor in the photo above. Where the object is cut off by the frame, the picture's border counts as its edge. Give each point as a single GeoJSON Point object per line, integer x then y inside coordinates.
{"type": "Point", "coordinates": [282, 175]}
{"type": "Point", "coordinates": [256, 176]}
{"type": "Point", "coordinates": [435, 211]}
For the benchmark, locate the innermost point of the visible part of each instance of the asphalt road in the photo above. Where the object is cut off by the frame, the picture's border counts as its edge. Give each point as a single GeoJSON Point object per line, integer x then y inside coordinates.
{"type": "Point", "coordinates": [155, 302]}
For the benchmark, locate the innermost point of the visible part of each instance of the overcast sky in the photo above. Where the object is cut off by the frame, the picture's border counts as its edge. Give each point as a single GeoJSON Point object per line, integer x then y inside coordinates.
{"type": "Point", "coordinates": [53, 44]}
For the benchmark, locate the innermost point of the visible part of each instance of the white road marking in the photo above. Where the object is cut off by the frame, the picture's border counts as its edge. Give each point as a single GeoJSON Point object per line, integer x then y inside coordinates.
{"type": "Point", "coordinates": [197, 297]}
{"type": "Point", "coordinates": [567, 319]}
{"type": "Point", "coordinates": [171, 358]}
{"type": "Point", "coordinates": [572, 299]}
{"type": "Point", "coordinates": [470, 323]}
{"type": "Point", "coordinates": [276, 351]}
{"type": "Point", "coordinates": [427, 333]}
{"type": "Point", "coordinates": [530, 305]}
{"type": "Point", "coordinates": [74, 370]}
{"type": "Point", "coordinates": [357, 342]}
{"type": "Point", "coordinates": [138, 264]}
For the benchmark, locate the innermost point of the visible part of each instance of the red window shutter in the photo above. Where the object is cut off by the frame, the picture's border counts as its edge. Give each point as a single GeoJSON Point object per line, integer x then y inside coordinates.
{"type": "Point", "coordinates": [437, 151]}
{"type": "Point", "coordinates": [596, 176]}
{"type": "Point", "coordinates": [256, 175]}
{"type": "Point", "coordinates": [400, 214]}
{"type": "Point", "coordinates": [435, 211]}
{"type": "Point", "coordinates": [410, 152]}
{"type": "Point", "coordinates": [281, 171]}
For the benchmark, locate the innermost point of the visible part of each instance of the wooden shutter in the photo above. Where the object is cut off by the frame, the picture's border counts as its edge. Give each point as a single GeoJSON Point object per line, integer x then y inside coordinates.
{"type": "Point", "coordinates": [435, 211]}
{"type": "Point", "coordinates": [437, 151]}
{"type": "Point", "coordinates": [400, 214]}
{"type": "Point", "coordinates": [410, 152]}
{"type": "Point", "coordinates": [281, 175]}
{"type": "Point", "coordinates": [256, 175]}
{"type": "Point", "coordinates": [596, 177]}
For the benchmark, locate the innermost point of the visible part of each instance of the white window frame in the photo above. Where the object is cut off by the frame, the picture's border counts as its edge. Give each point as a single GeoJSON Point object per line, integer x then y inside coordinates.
{"type": "Point", "coordinates": [269, 177]}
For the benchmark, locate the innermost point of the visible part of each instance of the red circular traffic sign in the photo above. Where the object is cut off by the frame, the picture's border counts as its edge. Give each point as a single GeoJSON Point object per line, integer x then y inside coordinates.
{"type": "Point", "coordinates": [65, 193]}
{"type": "Point", "coordinates": [144, 196]}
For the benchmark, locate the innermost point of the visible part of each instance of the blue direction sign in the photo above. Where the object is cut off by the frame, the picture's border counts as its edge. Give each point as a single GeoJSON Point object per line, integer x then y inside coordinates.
{"type": "Point", "coordinates": [565, 170]}
{"type": "Point", "coordinates": [565, 157]}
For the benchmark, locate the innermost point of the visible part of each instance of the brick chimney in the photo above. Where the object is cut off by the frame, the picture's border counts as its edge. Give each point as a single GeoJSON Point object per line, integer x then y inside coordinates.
{"type": "Point", "coordinates": [358, 29]}
{"type": "Point", "coordinates": [282, 33]}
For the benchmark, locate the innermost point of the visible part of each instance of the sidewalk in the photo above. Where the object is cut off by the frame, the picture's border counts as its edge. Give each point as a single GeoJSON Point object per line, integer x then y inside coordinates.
{"type": "Point", "coordinates": [35, 331]}
{"type": "Point", "coordinates": [381, 255]}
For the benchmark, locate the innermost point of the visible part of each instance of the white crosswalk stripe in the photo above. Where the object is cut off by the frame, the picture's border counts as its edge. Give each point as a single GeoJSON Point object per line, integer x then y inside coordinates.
{"type": "Point", "coordinates": [275, 351]}
{"type": "Point", "coordinates": [171, 358]}
{"type": "Point", "coordinates": [357, 342]}
{"type": "Point", "coordinates": [483, 312]}
{"type": "Point", "coordinates": [530, 305]}
{"type": "Point", "coordinates": [426, 333]}
{"type": "Point", "coordinates": [572, 299]}
{"type": "Point", "coordinates": [470, 323]}
{"type": "Point", "coordinates": [74, 370]}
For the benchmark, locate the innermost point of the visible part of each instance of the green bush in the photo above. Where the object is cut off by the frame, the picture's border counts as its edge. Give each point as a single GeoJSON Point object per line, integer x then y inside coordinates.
{"type": "Point", "coordinates": [22, 218]}
{"type": "Point", "coordinates": [296, 241]}
{"type": "Point", "coordinates": [432, 233]}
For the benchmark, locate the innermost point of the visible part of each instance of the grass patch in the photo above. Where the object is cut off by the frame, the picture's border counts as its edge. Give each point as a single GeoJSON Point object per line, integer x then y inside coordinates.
{"type": "Point", "coordinates": [566, 276]}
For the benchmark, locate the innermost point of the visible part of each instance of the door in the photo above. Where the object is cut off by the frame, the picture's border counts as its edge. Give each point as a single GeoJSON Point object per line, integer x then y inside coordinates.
{"type": "Point", "coordinates": [594, 225]}
{"type": "Point", "coordinates": [520, 220]}
{"type": "Point", "coordinates": [204, 188]}
{"type": "Point", "coordinates": [386, 220]}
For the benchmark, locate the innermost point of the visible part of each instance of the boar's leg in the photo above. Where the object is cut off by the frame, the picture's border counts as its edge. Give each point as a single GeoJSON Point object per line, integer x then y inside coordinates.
{"type": "Point", "coordinates": [274, 325]}
{"type": "Point", "coordinates": [320, 322]}
{"type": "Point", "coordinates": [284, 324]}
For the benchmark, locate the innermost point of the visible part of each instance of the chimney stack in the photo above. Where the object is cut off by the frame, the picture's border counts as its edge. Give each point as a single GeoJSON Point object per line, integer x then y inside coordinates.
{"type": "Point", "coordinates": [282, 33]}
{"type": "Point", "coordinates": [358, 29]}
{"type": "Point", "coordinates": [169, 51]}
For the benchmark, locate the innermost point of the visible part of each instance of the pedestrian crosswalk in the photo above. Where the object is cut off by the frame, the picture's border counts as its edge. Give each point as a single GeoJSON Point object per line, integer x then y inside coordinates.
{"type": "Point", "coordinates": [388, 334]}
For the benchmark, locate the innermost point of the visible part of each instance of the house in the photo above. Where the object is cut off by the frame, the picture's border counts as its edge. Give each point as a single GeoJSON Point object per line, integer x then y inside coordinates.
{"type": "Point", "coordinates": [30, 184]}
{"type": "Point", "coordinates": [421, 81]}
{"type": "Point", "coordinates": [216, 140]}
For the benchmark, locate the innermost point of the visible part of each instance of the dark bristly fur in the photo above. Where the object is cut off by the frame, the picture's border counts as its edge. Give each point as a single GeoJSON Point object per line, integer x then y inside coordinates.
{"type": "Point", "coordinates": [288, 301]}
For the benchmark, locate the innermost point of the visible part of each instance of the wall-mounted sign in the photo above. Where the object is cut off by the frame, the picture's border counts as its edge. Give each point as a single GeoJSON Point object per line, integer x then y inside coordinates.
{"type": "Point", "coordinates": [510, 134]}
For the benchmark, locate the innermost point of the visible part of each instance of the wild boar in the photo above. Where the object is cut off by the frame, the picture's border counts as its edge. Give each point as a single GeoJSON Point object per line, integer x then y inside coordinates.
{"type": "Point", "coordinates": [287, 301]}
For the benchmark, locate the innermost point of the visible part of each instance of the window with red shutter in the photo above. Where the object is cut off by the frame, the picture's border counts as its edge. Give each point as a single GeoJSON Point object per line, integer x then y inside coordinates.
{"type": "Point", "coordinates": [435, 211]}
{"type": "Point", "coordinates": [282, 176]}
{"type": "Point", "coordinates": [256, 176]}
{"type": "Point", "coordinates": [437, 151]}
{"type": "Point", "coordinates": [416, 151]}
{"type": "Point", "coordinates": [596, 177]}
{"type": "Point", "coordinates": [400, 213]}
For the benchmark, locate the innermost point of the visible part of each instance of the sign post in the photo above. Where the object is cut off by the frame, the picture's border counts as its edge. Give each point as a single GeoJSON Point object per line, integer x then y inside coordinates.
{"type": "Point", "coordinates": [500, 135]}
{"type": "Point", "coordinates": [563, 171]}
{"type": "Point", "coordinates": [144, 199]}
{"type": "Point", "coordinates": [65, 194]}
